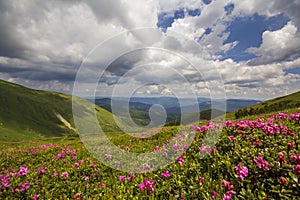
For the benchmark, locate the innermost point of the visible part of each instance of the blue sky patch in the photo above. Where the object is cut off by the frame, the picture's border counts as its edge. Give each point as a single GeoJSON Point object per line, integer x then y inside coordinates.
{"type": "Point", "coordinates": [229, 8]}
{"type": "Point", "coordinates": [165, 19]}
{"type": "Point", "coordinates": [248, 32]}
{"type": "Point", "coordinates": [194, 13]}
{"type": "Point", "coordinates": [207, 1]}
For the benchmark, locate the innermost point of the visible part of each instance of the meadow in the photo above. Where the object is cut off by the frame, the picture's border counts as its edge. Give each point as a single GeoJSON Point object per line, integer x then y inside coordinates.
{"type": "Point", "coordinates": [253, 159]}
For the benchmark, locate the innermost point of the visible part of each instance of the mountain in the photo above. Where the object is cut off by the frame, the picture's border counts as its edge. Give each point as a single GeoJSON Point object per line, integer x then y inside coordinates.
{"type": "Point", "coordinates": [27, 114]}
{"type": "Point", "coordinates": [291, 101]}
{"type": "Point", "coordinates": [139, 107]}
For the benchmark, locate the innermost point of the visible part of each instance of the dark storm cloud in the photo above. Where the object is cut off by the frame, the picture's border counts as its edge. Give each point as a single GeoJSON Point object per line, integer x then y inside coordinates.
{"type": "Point", "coordinates": [10, 44]}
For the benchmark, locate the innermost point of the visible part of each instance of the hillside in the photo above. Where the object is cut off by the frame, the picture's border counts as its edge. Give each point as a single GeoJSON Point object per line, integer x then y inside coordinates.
{"type": "Point", "coordinates": [27, 114]}
{"type": "Point", "coordinates": [291, 101]}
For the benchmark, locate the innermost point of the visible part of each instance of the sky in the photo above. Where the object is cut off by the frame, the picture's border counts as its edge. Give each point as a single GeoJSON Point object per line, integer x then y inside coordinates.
{"type": "Point", "coordinates": [242, 49]}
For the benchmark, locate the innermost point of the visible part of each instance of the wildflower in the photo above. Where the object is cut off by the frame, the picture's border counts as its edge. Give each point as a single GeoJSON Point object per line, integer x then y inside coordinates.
{"type": "Point", "coordinates": [180, 160]}
{"type": "Point", "coordinates": [24, 186]}
{"type": "Point", "coordinates": [165, 153]}
{"type": "Point", "coordinates": [215, 195]}
{"type": "Point", "coordinates": [101, 185]}
{"type": "Point", "coordinates": [156, 148]}
{"type": "Point", "coordinates": [36, 196]}
{"type": "Point", "coordinates": [122, 178]}
{"type": "Point", "coordinates": [227, 197]}
{"type": "Point", "coordinates": [148, 167]}
{"type": "Point", "coordinates": [228, 123]}
{"type": "Point", "coordinates": [242, 171]}
{"type": "Point", "coordinates": [291, 145]}
{"type": "Point", "coordinates": [41, 170]}
{"type": "Point", "coordinates": [117, 163]}
{"type": "Point", "coordinates": [281, 157]}
{"type": "Point", "coordinates": [262, 164]}
{"type": "Point", "coordinates": [55, 173]}
{"type": "Point", "coordinates": [23, 171]}
{"type": "Point", "coordinates": [165, 174]}
{"type": "Point", "coordinates": [65, 174]}
{"type": "Point", "coordinates": [76, 164]}
{"type": "Point", "coordinates": [131, 176]}
{"type": "Point", "coordinates": [225, 183]}
{"type": "Point", "coordinates": [201, 180]}
{"type": "Point", "coordinates": [231, 138]}
{"type": "Point", "coordinates": [284, 181]}
{"type": "Point", "coordinates": [147, 184]}
{"type": "Point", "coordinates": [297, 169]}
{"type": "Point", "coordinates": [86, 178]}
{"type": "Point", "coordinates": [108, 156]}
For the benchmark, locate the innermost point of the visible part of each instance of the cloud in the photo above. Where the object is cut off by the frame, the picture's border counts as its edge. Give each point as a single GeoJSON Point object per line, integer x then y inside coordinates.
{"type": "Point", "coordinates": [43, 43]}
{"type": "Point", "coordinates": [277, 45]}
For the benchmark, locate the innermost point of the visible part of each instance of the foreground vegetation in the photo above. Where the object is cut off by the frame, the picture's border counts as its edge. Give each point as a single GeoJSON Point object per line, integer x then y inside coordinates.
{"type": "Point", "coordinates": [256, 159]}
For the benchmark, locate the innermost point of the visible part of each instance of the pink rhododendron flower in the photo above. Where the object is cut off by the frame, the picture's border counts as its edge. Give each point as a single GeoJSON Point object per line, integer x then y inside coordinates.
{"type": "Point", "coordinates": [242, 171]}
{"type": "Point", "coordinates": [122, 178]}
{"type": "Point", "coordinates": [131, 176]}
{"type": "Point", "coordinates": [147, 185]}
{"type": "Point", "coordinates": [76, 164]}
{"type": "Point", "coordinates": [284, 181]}
{"type": "Point", "coordinates": [281, 157]}
{"type": "Point", "coordinates": [165, 174]}
{"type": "Point", "coordinates": [297, 169]}
{"type": "Point", "coordinates": [201, 180]}
{"type": "Point", "coordinates": [65, 174]}
{"type": "Point", "coordinates": [108, 156]}
{"type": "Point", "coordinates": [24, 186]}
{"type": "Point", "coordinates": [215, 195]}
{"type": "Point", "coordinates": [262, 164]}
{"type": "Point", "coordinates": [231, 138]}
{"type": "Point", "coordinates": [180, 160]}
{"type": "Point", "coordinates": [101, 185]}
{"type": "Point", "coordinates": [23, 171]}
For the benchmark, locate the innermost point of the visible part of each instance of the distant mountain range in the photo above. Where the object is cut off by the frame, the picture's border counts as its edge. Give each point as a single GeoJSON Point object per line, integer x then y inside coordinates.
{"type": "Point", "coordinates": [27, 114]}
{"type": "Point", "coordinates": [175, 108]}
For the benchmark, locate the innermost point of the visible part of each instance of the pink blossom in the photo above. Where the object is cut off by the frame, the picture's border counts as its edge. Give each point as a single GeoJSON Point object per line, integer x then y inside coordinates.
{"type": "Point", "coordinates": [86, 178]}
{"type": "Point", "coordinates": [231, 138]}
{"type": "Point", "coordinates": [297, 169]}
{"type": "Point", "coordinates": [147, 184]}
{"type": "Point", "coordinates": [131, 176]}
{"type": "Point", "coordinates": [156, 148]}
{"type": "Point", "coordinates": [24, 186]}
{"type": "Point", "coordinates": [262, 164]}
{"type": "Point", "coordinates": [228, 123]}
{"type": "Point", "coordinates": [23, 171]}
{"type": "Point", "coordinates": [226, 197]}
{"type": "Point", "coordinates": [284, 181]}
{"type": "Point", "coordinates": [165, 153]}
{"type": "Point", "coordinates": [225, 183]}
{"type": "Point", "coordinates": [180, 160]}
{"type": "Point", "coordinates": [281, 157]}
{"type": "Point", "coordinates": [165, 174]}
{"type": "Point", "coordinates": [215, 195]}
{"type": "Point", "coordinates": [108, 156]}
{"type": "Point", "coordinates": [122, 178]}
{"type": "Point", "coordinates": [101, 185]}
{"type": "Point", "coordinates": [242, 171]}
{"type": "Point", "coordinates": [76, 164]}
{"type": "Point", "coordinates": [41, 170]}
{"type": "Point", "coordinates": [36, 196]}
{"type": "Point", "coordinates": [291, 145]}
{"type": "Point", "coordinates": [65, 174]}
{"type": "Point", "coordinates": [55, 173]}
{"type": "Point", "coordinates": [201, 180]}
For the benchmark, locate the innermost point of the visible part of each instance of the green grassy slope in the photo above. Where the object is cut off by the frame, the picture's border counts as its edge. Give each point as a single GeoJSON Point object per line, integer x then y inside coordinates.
{"type": "Point", "coordinates": [288, 102]}
{"type": "Point", "coordinates": [27, 114]}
